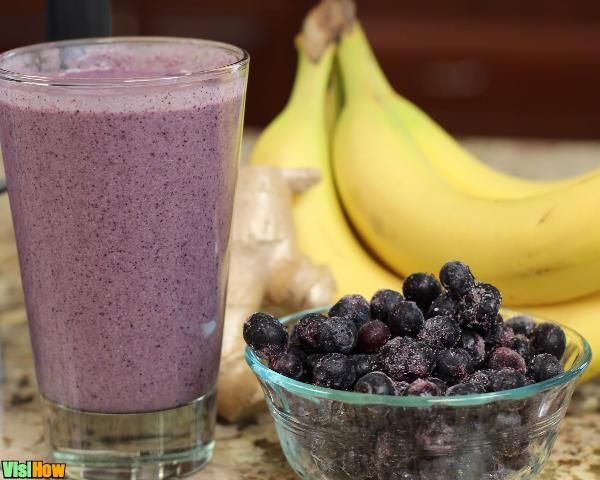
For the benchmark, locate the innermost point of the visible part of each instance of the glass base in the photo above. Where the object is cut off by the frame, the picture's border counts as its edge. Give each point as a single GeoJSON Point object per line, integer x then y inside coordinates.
{"type": "Point", "coordinates": [153, 445]}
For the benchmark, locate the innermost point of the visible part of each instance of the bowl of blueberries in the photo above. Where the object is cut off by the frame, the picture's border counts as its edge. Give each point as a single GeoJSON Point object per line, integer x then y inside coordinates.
{"type": "Point", "coordinates": [437, 382]}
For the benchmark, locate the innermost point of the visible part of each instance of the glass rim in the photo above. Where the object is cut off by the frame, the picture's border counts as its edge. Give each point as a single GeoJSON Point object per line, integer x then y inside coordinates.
{"type": "Point", "coordinates": [307, 390]}
{"type": "Point", "coordinates": [240, 64]}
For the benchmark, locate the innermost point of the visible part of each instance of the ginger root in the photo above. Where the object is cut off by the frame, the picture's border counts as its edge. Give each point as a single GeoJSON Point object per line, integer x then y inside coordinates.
{"type": "Point", "coordinates": [265, 266]}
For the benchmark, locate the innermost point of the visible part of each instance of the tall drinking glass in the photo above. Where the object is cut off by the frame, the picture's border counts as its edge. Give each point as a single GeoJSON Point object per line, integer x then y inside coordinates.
{"type": "Point", "coordinates": [121, 159]}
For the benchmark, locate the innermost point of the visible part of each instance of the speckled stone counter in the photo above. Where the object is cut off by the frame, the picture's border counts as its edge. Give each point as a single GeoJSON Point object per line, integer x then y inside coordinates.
{"type": "Point", "coordinates": [250, 451]}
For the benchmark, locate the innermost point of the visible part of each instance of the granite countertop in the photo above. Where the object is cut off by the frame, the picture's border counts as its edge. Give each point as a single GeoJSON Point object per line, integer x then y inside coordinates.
{"type": "Point", "coordinates": [251, 451]}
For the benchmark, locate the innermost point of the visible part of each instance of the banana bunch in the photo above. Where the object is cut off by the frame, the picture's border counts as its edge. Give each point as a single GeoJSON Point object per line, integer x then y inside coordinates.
{"type": "Point", "coordinates": [395, 180]}
{"type": "Point", "coordinates": [298, 138]}
{"type": "Point", "coordinates": [539, 243]}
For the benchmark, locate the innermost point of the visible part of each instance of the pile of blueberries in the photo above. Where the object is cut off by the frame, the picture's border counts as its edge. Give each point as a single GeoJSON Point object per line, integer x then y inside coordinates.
{"type": "Point", "coordinates": [435, 339]}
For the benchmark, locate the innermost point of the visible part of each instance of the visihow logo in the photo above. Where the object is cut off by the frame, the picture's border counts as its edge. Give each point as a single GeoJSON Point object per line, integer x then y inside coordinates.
{"type": "Point", "coordinates": [32, 469]}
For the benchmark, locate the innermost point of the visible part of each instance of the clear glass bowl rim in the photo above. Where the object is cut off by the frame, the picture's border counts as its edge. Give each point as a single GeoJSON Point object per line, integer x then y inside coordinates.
{"type": "Point", "coordinates": [240, 64]}
{"type": "Point", "coordinates": [306, 390]}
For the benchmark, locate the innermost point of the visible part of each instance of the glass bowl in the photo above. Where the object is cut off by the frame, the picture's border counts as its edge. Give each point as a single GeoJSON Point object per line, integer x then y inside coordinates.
{"type": "Point", "coordinates": [339, 435]}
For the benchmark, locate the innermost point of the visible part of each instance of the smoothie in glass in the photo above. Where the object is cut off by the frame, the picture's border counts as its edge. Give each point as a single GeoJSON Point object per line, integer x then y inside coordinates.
{"type": "Point", "coordinates": [121, 160]}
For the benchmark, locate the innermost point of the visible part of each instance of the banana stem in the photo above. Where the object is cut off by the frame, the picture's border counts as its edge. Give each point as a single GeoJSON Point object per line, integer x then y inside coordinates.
{"type": "Point", "coordinates": [361, 71]}
{"type": "Point", "coordinates": [310, 86]}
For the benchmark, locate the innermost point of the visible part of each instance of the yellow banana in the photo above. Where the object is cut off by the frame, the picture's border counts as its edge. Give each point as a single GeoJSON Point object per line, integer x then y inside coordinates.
{"type": "Point", "coordinates": [582, 316]}
{"type": "Point", "coordinates": [298, 138]}
{"type": "Point", "coordinates": [334, 100]}
{"type": "Point", "coordinates": [537, 250]}
{"type": "Point", "coordinates": [450, 160]}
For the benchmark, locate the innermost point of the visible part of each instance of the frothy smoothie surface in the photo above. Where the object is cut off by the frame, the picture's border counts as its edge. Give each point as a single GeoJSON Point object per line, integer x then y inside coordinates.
{"type": "Point", "coordinates": [121, 200]}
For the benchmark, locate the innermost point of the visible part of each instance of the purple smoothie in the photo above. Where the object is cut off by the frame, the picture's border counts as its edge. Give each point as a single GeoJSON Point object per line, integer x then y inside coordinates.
{"type": "Point", "coordinates": [121, 200]}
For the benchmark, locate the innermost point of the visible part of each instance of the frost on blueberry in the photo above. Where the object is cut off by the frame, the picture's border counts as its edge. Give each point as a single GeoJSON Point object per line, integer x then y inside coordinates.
{"type": "Point", "coordinates": [544, 366]}
{"type": "Point", "coordinates": [549, 338]}
{"type": "Point", "coordinates": [440, 332]}
{"type": "Point", "coordinates": [405, 319]}
{"type": "Point", "coordinates": [306, 331]}
{"type": "Point", "coordinates": [474, 344]}
{"type": "Point", "coordinates": [407, 359]}
{"type": "Point", "coordinates": [265, 334]}
{"type": "Point", "coordinates": [355, 307]}
{"type": "Point", "coordinates": [443, 305]}
{"type": "Point", "coordinates": [334, 370]}
{"type": "Point", "coordinates": [337, 335]}
{"type": "Point", "coordinates": [421, 288]}
{"type": "Point", "coordinates": [453, 365]}
{"type": "Point", "coordinates": [479, 307]}
{"type": "Point", "coordinates": [383, 302]}
{"type": "Point", "coordinates": [288, 364]}
{"type": "Point", "coordinates": [521, 325]}
{"type": "Point", "coordinates": [457, 278]}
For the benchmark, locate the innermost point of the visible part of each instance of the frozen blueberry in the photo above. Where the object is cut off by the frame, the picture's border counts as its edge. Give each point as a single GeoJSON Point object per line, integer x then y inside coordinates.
{"type": "Point", "coordinates": [453, 365]}
{"type": "Point", "coordinates": [503, 357]}
{"type": "Point", "coordinates": [505, 379]}
{"type": "Point", "coordinates": [400, 388]}
{"type": "Point", "coordinates": [522, 346]}
{"type": "Point", "coordinates": [265, 335]}
{"type": "Point", "coordinates": [365, 363]}
{"type": "Point", "coordinates": [334, 370]}
{"type": "Point", "coordinates": [549, 338]}
{"type": "Point", "coordinates": [500, 335]}
{"type": "Point", "coordinates": [440, 332]}
{"type": "Point", "coordinates": [392, 451]}
{"type": "Point", "coordinates": [480, 379]}
{"type": "Point", "coordinates": [354, 307]}
{"type": "Point", "coordinates": [474, 344]}
{"type": "Point", "coordinates": [377, 383]}
{"type": "Point", "coordinates": [306, 331]}
{"type": "Point", "coordinates": [544, 366]}
{"type": "Point", "coordinates": [521, 325]}
{"type": "Point", "coordinates": [421, 288]}
{"type": "Point", "coordinates": [436, 436]}
{"type": "Point", "coordinates": [507, 426]}
{"type": "Point", "coordinates": [405, 319]}
{"type": "Point", "coordinates": [372, 336]}
{"type": "Point", "coordinates": [407, 359]}
{"type": "Point", "coordinates": [443, 386]}
{"type": "Point", "coordinates": [288, 364]}
{"type": "Point", "coordinates": [311, 360]}
{"type": "Point", "coordinates": [457, 278]}
{"type": "Point", "coordinates": [463, 389]}
{"type": "Point", "coordinates": [337, 335]}
{"type": "Point", "coordinates": [298, 352]}
{"type": "Point", "coordinates": [382, 303]}
{"type": "Point", "coordinates": [443, 305]}
{"type": "Point", "coordinates": [478, 308]}
{"type": "Point", "coordinates": [423, 388]}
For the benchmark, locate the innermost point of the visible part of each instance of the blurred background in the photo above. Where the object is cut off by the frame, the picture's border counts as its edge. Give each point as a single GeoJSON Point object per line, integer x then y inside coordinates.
{"type": "Point", "coordinates": [502, 68]}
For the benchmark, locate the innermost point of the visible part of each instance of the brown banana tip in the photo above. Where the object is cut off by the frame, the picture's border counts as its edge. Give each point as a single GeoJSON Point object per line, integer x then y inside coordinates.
{"type": "Point", "coordinates": [324, 24]}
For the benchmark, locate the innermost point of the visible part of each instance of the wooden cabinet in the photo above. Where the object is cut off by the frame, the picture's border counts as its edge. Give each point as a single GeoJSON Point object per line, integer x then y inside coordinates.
{"type": "Point", "coordinates": [525, 68]}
